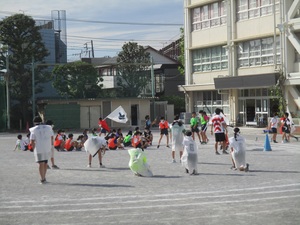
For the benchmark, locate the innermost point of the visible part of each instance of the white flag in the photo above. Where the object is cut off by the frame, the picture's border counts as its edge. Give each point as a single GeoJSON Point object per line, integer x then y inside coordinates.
{"type": "Point", "coordinates": [118, 115]}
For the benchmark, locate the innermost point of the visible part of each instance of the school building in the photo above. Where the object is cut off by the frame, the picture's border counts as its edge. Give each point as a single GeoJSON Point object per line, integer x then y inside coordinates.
{"type": "Point", "coordinates": [236, 52]}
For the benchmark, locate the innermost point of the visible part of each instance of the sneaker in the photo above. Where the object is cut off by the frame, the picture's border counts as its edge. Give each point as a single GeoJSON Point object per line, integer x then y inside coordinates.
{"type": "Point", "coordinates": [247, 167]}
{"type": "Point", "coordinates": [55, 167]}
{"type": "Point", "coordinates": [157, 146]}
{"type": "Point", "coordinates": [173, 161]}
{"type": "Point", "coordinates": [89, 166]}
{"type": "Point", "coordinates": [224, 152]}
{"type": "Point", "coordinates": [275, 141]}
{"type": "Point", "coordinates": [233, 168]}
{"type": "Point", "coordinates": [217, 153]}
{"type": "Point", "coordinates": [101, 166]}
{"type": "Point", "coordinates": [43, 181]}
{"type": "Point", "coordinates": [168, 146]}
{"type": "Point", "coordinates": [194, 172]}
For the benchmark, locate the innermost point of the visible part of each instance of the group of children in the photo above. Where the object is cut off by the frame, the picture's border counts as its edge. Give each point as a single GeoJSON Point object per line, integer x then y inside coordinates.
{"type": "Point", "coordinates": [23, 145]}
{"type": "Point", "coordinates": [285, 128]}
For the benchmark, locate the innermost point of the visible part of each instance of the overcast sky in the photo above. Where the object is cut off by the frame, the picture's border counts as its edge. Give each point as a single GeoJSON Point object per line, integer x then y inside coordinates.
{"type": "Point", "coordinates": [91, 20]}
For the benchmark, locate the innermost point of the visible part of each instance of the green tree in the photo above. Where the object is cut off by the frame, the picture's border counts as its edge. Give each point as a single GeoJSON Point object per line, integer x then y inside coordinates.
{"type": "Point", "coordinates": [77, 80]}
{"type": "Point", "coordinates": [25, 44]}
{"type": "Point", "coordinates": [182, 55]}
{"type": "Point", "coordinates": [132, 61]}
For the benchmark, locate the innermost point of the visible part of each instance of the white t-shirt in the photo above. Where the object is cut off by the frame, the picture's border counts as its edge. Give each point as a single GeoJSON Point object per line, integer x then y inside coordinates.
{"type": "Point", "coordinates": [41, 134]}
{"type": "Point", "coordinates": [274, 122]}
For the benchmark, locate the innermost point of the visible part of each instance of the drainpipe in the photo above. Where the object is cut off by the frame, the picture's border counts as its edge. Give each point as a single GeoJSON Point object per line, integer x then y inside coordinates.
{"type": "Point", "coordinates": [274, 44]}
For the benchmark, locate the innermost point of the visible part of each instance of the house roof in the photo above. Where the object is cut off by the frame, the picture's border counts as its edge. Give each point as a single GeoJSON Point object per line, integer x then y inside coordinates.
{"type": "Point", "coordinates": [158, 58]}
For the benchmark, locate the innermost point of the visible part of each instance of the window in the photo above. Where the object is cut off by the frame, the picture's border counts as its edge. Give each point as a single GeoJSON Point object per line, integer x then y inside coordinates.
{"type": "Point", "coordinates": [209, 59]}
{"type": "Point", "coordinates": [258, 52]}
{"type": "Point", "coordinates": [210, 15]}
{"type": "Point", "coordinates": [247, 9]}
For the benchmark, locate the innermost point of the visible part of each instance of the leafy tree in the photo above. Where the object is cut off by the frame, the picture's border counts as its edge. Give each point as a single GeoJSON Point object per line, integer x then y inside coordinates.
{"type": "Point", "coordinates": [132, 61]}
{"type": "Point", "coordinates": [181, 56]}
{"type": "Point", "coordinates": [77, 80]}
{"type": "Point", "coordinates": [25, 44]}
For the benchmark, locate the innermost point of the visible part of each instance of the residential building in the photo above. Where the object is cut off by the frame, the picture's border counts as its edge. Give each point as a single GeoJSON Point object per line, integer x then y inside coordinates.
{"type": "Point", "coordinates": [236, 51]}
{"type": "Point", "coordinates": [165, 69]}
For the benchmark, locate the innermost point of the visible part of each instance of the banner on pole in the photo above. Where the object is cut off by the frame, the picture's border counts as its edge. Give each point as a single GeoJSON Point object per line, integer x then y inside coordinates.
{"type": "Point", "coordinates": [118, 115]}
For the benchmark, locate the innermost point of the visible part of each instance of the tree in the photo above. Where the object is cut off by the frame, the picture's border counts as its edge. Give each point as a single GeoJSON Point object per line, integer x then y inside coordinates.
{"type": "Point", "coordinates": [77, 80]}
{"type": "Point", "coordinates": [132, 61]}
{"type": "Point", "coordinates": [25, 44]}
{"type": "Point", "coordinates": [182, 53]}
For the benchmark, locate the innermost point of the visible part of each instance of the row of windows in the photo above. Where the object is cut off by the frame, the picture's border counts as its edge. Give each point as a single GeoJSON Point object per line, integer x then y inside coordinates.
{"type": "Point", "coordinates": [214, 14]}
{"type": "Point", "coordinates": [249, 53]}
{"type": "Point", "coordinates": [207, 59]}
{"type": "Point", "coordinates": [210, 15]}
{"type": "Point", "coordinates": [247, 9]}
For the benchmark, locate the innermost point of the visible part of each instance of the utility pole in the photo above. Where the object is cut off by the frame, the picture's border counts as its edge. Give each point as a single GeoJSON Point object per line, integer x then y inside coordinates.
{"type": "Point", "coordinates": [152, 77]}
{"type": "Point", "coordinates": [92, 46]}
{"type": "Point", "coordinates": [33, 89]}
{"type": "Point", "coordinates": [7, 90]}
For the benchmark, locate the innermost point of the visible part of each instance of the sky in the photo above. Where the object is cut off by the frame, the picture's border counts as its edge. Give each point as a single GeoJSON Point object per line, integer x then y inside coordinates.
{"type": "Point", "coordinates": [108, 23]}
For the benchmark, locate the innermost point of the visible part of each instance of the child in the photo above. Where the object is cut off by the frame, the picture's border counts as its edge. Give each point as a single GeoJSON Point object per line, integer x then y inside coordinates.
{"type": "Point", "coordinates": [59, 142]}
{"type": "Point", "coordinates": [127, 139]}
{"type": "Point", "coordinates": [148, 136]}
{"type": "Point", "coordinates": [27, 143]}
{"type": "Point", "coordinates": [111, 142]}
{"type": "Point", "coordinates": [163, 127]}
{"type": "Point", "coordinates": [238, 151]}
{"type": "Point", "coordinates": [177, 130]}
{"type": "Point", "coordinates": [70, 143]}
{"type": "Point", "coordinates": [189, 157]}
{"type": "Point", "coordinates": [95, 145]}
{"type": "Point", "coordinates": [20, 144]}
{"type": "Point", "coordinates": [136, 141]}
{"type": "Point", "coordinates": [138, 163]}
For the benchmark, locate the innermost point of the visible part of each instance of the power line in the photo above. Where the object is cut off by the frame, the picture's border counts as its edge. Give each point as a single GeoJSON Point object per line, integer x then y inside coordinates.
{"type": "Point", "coordinates": [107, 22]}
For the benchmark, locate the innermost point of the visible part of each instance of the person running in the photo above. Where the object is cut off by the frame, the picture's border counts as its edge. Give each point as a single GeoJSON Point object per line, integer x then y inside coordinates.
{"type": "Point", "coordinates": [177, 130]}
{"type": "Point", "coordinates": [218, 127]}
{"type": "Point", "coordinates": [237, 146]}
{"type": "Point", "coordinates": [273, 126]}
{"type": "Point", "coordinates": [286, 129]}
{"type": "Point", "coordinates": [41, 139]}
{"type": "Point", "coordinates": [194, 126]}
{"type": "Point", "coordinates": [163, 127]}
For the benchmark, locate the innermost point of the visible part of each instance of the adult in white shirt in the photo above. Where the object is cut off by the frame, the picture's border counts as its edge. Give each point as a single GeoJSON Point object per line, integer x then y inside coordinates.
{"type": "Point", "coordinates": [41, 139]}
